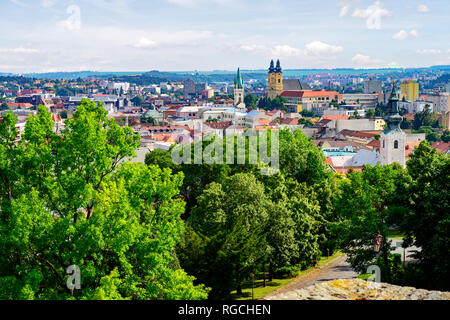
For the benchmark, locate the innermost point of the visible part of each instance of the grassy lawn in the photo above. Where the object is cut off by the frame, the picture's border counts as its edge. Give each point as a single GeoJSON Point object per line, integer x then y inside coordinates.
{"type": "Point", "coordinates": [276, 284]}
{"type": "Point", "coordinates": [365, 276]}
{"type": "Point", "coordinates": [395, 234]}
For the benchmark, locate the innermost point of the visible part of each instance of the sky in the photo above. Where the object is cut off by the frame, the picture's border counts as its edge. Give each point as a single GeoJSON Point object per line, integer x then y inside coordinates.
{"type": "Point", "coordinates": [206, 35]}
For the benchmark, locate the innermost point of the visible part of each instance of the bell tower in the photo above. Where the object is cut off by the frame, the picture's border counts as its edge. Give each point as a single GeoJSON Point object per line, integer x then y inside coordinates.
{"type": "Point", "coordinates": [275, 84]}
{"type": "Point", "coordinates": [393, 139]}
{"type": "Point", "coordinates": [239, 91]}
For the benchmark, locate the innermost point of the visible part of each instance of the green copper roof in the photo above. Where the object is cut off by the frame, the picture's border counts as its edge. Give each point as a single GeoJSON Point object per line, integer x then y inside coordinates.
{"type": "Point", "coordinates": [239, 82]}
{"type": "Point", "coordinates": [393, 118]}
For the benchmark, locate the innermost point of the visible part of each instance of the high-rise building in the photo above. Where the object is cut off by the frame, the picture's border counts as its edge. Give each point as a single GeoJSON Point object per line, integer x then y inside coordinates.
{"type": "Point", "coordinates": [372, 86]}
{"type": "Point", "coordinates": [393, 139]}
{"type": "Point", "coordinates": [441, 101]}
{"type": "Point", "coordinates": [411, 90]}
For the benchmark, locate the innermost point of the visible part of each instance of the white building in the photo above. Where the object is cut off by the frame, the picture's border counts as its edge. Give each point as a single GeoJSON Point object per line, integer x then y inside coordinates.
{"type": "Point", "coordinates": [415, 106]}
{"type": "Point", "coordinates": [441, 101]}
{"type": "Point", "coordinates": [125, 86]}
{"type": "Point", "coordinates": [393, 139]}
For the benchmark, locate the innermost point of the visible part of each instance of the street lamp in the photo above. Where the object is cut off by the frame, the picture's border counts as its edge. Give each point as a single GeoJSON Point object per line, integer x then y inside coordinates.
{"type": "Point", "coordinates": [378, 242]}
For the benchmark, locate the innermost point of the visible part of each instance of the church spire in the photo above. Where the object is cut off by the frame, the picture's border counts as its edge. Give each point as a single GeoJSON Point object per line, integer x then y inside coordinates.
{"type": "Point", "coordinates": [239, 83]}
{"type": "Point", "coordinates": [278, 68]}
{"type": "Point", "coordinates": [272, 67]}
{"type": "Point", "coordinates": [393, 118]}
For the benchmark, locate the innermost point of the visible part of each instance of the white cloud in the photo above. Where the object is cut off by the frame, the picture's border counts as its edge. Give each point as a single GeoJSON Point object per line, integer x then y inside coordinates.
{"type": "Point", "coordinates": [344, 11]}
{"type": "Point", "coordinates": [146, 43]}
{"type": "Point", "coordinates": [423, 8]}
{"type": "Point", "coordinates": [312, 49]}
{"type": "Point", "coordinates": [366, 61]}
{"type": "Point", "coordinates": [20, 3]}
{"type": "Point", "coordinates": [429, 51]}
{"type": "Point", "coordinates": [19, 50]}
{"type": "Point", "coordinates": [286, 51]}
{"type": "Point", "coordinates": [277, 51]}
{"type": "Point", "coordinates": [254, 48]}
{"type": "Point", "coordinates": [48, 3]}
{"type": "Point", "coordinates": [194, 3]}
{"type": "Point", "coordinates": [403, 35]}
{"type": "Point", "coordinates": [372, 14]}
{"type": "Point", "coordinates": [320, 48]}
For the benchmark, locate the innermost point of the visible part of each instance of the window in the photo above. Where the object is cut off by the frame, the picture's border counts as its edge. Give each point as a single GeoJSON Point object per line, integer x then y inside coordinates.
{"type": "Point", "coordinates": [384, 144]}
{"type": "Point", "coordinates": [396, 144]}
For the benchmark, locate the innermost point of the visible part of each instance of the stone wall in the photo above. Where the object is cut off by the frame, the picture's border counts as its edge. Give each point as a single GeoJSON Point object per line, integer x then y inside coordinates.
{"type": "Point", "coordinates": [357, 289]}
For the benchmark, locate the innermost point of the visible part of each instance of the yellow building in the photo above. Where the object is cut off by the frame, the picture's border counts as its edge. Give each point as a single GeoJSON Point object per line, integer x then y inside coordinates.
{"type": "Point", "coordinates": [275, 80]}
{"type": "Point", "coordinates": [411, 90]}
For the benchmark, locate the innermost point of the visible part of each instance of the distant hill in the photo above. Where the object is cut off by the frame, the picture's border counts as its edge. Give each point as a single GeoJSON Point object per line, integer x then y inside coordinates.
{"type": "Point", "coordinates": [154, 76]}
{"type": "Point", "coordinates": [76, 75]}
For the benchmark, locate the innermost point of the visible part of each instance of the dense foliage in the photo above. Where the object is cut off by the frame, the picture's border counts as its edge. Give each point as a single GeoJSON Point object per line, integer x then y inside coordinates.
{"type": "Point", "coordinates": [139, 231]}
{"type": "Point", "coordinates": [241, 222]}
{"type": "Point", "coordinates": [67, 200]}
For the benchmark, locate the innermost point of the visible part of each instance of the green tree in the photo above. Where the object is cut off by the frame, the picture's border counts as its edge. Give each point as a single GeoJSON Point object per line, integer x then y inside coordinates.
{"type": "Point", "coordinates": [406, 124]}
{"type": "Point", "coordinates": [365, 205]}
{"type": "Point", "coordinates": [425, 118]}
{"type": "Point", "coordinates": [308, 114]}
{"type": "Point", "coordinates": [370, 114]}
{"type": "Point", "coordinates": [431, 135]}
{"type": "Point", "coordinates": [426, 223]}
{"type": "Point", "coordinates": [137, 101]}
{"type": "Point", "coordinates": [231, 217]}
{"type": "Point", "coordinates": [446, 136]}
{"type": "Point", "coordinates": [250, 100]}
{"type": "Point", "coordinates": [66, 200]}
{"type": "Point", "coordinates": [4, 106]}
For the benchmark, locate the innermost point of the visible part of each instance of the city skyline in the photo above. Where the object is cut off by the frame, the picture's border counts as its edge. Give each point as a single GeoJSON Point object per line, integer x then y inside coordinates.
{"type": "Point", "coordinates": [181, 35]}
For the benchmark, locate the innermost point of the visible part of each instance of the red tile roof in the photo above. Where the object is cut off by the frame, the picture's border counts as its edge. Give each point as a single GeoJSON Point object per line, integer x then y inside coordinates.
{"type": "Point", "coordinates": [219, 125]}
{"type": "Point", "coordinates": [19, 105]}
{"type": "Point", "coordinates": [289, 121]}
{"type": "Point", "coordinates": [292, 94]}
{"type": "Point", "coordinates": [410, 146]}
{"type": "Point", "coordinates": [441, 146]}
{"type": "Point", "coordinates": [375, 144]}
{"type": "Point", "coordinates": [336, 117]}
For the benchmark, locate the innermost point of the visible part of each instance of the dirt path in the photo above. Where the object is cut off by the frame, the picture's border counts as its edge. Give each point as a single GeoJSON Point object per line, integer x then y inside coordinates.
{"type": "Point", "coordinates": [336, 269]}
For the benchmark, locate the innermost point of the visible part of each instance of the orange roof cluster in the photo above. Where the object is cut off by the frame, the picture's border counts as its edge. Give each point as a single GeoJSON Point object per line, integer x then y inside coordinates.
{"type": "Point", "coordinates": [410, 146]}
{"type": "Point", "coordinates": [309, 94]}
{"type": "Point", "coordinates": [336, 117]}
{"type": "Point", "coordinates": [264, 122]}
{"type": "Point", "coordinates": [19, 105]}
{"type": "Point", "coordinates": [441, 147]}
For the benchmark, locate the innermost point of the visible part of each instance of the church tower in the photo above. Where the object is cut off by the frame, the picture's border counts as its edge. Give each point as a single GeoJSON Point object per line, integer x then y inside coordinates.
{"type": "Point", "coordinates": [275, 86]}
{"type": "Point", "coordinates": [239, 92]}
{"type": "Point", "coordinates": [393, 139]}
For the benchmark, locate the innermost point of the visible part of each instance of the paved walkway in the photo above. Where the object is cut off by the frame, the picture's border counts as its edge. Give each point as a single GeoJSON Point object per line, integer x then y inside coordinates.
{"type": "Point", "coordinates": [336, 269]}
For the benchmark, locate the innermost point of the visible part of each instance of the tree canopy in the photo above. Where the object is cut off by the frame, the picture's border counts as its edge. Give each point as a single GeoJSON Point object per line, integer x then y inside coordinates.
{"type": "Point", "coordinates": [67, 200]}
